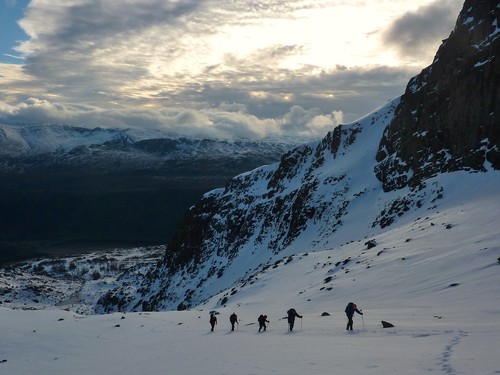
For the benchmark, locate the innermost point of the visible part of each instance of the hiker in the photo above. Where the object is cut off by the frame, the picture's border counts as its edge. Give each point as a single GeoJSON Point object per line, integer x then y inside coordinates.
{"type": "Point", "coordinates": [350, 309]}
{"type": "Point", "coordinates": [213, 321]}
{"type": "Point", "coordinates": [234, 320]}
{"type": "Point", "coordinates": [262, 322]}
{"type": "Point", "coordinates": [292, 314]}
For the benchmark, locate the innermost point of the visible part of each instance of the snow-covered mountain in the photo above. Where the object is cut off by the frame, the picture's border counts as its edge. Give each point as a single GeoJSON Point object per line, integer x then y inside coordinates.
{"type": "Point", "coordinates": [408, 233]}
{"type": "Point", "coordinates": [35, 146]}
{"type": "Point", "coordinates": [406, 161]}
{"type": "Point", "coordinates": [400, 167]}
{"type": "Point", "coordinates": [449, 116]}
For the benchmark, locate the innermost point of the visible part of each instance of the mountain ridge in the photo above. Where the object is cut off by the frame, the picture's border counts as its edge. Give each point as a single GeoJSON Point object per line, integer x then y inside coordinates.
{"type": "Point", "coordinates": [320, 189]}
{"type": "Point", "coordinates": [271, 212]}
{"type": "Point", "coordinates": [34, 146]}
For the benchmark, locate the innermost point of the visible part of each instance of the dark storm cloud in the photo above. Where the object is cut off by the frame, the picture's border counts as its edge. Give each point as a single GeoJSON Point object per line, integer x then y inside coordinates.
{"type": "Point", "coordinates": [84, 24]}
{"type": "Point", "coordinates": [415, 33]}
{"type": "Point", "coordinates": [72, 44]}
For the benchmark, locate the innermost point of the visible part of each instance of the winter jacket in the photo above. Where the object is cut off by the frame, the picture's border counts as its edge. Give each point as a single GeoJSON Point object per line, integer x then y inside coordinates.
{"type": "Point", "coordinates": [263, 319]}
{"type": "Point", "coordinates": [292, 314]}
{"type": "Point", "coordinates": [351, 308]}
{"type": "Point", "coordinates": [233, 318]}
{"type": "Point", "coordinates": [213, 320]}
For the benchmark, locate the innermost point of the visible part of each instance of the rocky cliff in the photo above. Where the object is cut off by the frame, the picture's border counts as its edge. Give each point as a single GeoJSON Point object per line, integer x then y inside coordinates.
{"type": "Point", "coordinates": [449, 116]}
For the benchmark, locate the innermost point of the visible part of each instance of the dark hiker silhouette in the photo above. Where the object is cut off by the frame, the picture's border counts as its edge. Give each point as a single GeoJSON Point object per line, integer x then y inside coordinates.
{"type": "Point", "coordinates": [213, 321]}
{"type": "Point", "coordinates": [262, 322]}
{"type": "Point", "coordinates": [350, 309]}
{"type": "Point", "coordinates": [292, 314]}
{"type": "Point", "coordinates": [234, 320]}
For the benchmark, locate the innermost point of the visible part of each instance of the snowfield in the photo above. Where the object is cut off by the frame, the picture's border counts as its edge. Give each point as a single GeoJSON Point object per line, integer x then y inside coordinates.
{"type": "Point", "coordinates": [434, 277]}
{"type": "Point", "coordinates": [438, 339]}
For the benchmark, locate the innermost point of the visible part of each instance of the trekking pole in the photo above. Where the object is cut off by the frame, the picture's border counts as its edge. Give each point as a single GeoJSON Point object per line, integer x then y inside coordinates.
{"type": "Point", "coordinates": [301, 324]}
{"type": "Point", "coordinates": [363, 319]}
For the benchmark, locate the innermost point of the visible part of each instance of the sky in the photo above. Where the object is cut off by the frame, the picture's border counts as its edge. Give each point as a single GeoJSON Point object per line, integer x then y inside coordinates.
{"type": "Point", "coordinates": [221, 68]}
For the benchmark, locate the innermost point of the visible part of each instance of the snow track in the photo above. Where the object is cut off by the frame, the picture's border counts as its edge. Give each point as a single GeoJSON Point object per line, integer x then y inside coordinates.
{"type": "Point", "coordinates": [448, 352]}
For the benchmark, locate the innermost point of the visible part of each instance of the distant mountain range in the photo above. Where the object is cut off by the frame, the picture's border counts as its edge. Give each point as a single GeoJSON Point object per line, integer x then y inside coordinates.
{"type": "Point", "coordinates": [66, 188]}
{"type": "Point", "coordinates": [36, 146]}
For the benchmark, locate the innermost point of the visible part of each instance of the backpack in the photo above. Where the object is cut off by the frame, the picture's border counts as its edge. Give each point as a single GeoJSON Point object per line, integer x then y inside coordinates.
{"type": "Point", "coordinates": [349, 308]}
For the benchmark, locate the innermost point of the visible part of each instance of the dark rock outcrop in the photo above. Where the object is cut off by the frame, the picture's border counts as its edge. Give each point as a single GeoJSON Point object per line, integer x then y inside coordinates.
{"type": "Point", "coordinates": [386, 324]}
{"type": "Point", "coordinates": [449, 116]}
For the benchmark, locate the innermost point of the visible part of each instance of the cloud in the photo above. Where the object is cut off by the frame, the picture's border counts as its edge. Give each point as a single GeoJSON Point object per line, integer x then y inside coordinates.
{"type": "Point", "coordinates": [74, 24]}
{"type": "Point", "coordinates": [216, 123]}
{"type": "Point", "coordinates": [417, 34]}
{"type": "Point", "coordinates": [355, 91]}
{"type": "Point", "coordinates": [13, 56]}
{"type": "Point", "coordinates": [140, 47]}
{"type": "Point", "coordinates": [209, 67]}
{"type": "Point", "coordinates": [79, 47]}
{"type": "Point", "coordinates": [306, 106]}
{"type": "Point", "coordinates": [309, 123]}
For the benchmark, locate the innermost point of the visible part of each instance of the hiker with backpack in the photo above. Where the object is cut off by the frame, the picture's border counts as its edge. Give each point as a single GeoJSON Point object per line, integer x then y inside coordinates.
{"type": "Point", "coordinates": [234, 320]}
{"type": "Point", "coordinates": [350, 309]}
{"type": "Point", "coordinates": [213, 321]}
{"type": "Point", "coordinates": [292, 314]}
{"type": "Point", "coordinates": [262, 322]}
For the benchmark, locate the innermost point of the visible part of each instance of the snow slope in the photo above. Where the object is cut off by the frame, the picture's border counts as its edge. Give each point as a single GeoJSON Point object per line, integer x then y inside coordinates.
{"type": "Point", "coordinates": [435, 278]}
{"type": "Point", "coordinates": [180, 343]}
